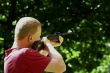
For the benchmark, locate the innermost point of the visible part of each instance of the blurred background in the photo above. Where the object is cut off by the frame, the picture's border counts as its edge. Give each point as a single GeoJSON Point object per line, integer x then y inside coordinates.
{"type": "Point", "coordinates": [86, 50]}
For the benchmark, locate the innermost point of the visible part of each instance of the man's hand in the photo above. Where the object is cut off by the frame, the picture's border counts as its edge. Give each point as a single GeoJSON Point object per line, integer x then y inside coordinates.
{"type": "Point", "coordinates": [44, 52]}
{"type": "Point", "coordinates": [56, 44]}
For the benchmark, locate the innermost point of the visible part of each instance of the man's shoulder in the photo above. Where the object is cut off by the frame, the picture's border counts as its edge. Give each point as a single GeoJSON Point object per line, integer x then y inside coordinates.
{"type": "Point", "coordinates": [19, 51]}
{"type": "Point", "coordinates": [26, 51]}
{"type": "Point", "coordinates": [8, 51]}
{"type": "Point", "coordinates": [31, 51]}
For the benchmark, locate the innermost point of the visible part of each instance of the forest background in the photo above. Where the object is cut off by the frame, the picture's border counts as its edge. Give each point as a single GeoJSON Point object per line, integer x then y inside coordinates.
{"type": "Point", "coordinates": [86, 50]}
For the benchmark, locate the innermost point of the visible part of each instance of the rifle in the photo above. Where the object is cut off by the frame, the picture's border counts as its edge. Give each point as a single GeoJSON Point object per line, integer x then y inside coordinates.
{"type": "Point", "coordinates": [38, 45]}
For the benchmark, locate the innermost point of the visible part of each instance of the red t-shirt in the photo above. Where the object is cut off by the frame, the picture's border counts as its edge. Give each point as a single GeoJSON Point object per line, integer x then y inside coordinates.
{"type": "Point", "coordinates": [24, 60]}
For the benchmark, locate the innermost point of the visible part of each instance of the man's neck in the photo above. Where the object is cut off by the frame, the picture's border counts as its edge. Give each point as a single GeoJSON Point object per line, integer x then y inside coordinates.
{"type": "Point", "coordinates": [15, 45]}
{"type": "Point", "coordinates": [20, 44]}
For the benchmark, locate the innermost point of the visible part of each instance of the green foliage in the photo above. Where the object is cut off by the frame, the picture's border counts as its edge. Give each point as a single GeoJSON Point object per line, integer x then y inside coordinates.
{"type": "Point", "coordinates": [86, 50]}
{"type": "Point", "coordinates": [1, 54]}
{"type": "Point", "coordinates": [104, 65]}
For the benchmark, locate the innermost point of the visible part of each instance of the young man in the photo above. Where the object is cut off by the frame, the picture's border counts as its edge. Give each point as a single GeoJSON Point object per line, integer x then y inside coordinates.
{"type": "Point", "coordinates": [21, 58]}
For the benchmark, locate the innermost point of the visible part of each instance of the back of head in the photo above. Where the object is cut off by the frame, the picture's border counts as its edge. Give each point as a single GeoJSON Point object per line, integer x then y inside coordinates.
{"type": "Point", "coordinates": [26, 26]}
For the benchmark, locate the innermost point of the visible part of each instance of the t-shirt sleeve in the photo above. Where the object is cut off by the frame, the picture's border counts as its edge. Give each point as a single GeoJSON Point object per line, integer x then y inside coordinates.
{"type": "Point", "coordinates": [36, 62]}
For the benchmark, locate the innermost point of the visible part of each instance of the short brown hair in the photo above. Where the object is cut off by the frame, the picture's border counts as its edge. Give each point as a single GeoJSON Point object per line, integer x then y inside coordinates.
{"type": "Point", "coordinates": [25, 26]}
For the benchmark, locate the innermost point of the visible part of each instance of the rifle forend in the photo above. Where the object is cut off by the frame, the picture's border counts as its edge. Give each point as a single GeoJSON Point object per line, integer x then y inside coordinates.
{"type": "Point", "coordinates": [55, 36]}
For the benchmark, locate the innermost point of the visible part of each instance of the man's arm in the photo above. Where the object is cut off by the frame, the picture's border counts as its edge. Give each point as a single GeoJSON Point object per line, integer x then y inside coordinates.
{"type": "Point", "coordinates": [56, 64]}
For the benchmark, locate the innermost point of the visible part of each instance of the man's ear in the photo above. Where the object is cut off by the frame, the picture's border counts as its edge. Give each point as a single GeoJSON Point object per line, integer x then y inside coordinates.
{"type": "Point", "coordinates": [30, 38]}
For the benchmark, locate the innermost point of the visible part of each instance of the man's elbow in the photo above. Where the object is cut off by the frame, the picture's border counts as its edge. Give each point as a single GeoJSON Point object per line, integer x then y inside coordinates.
{"type": "Point", "coordinates": [61, 67]}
